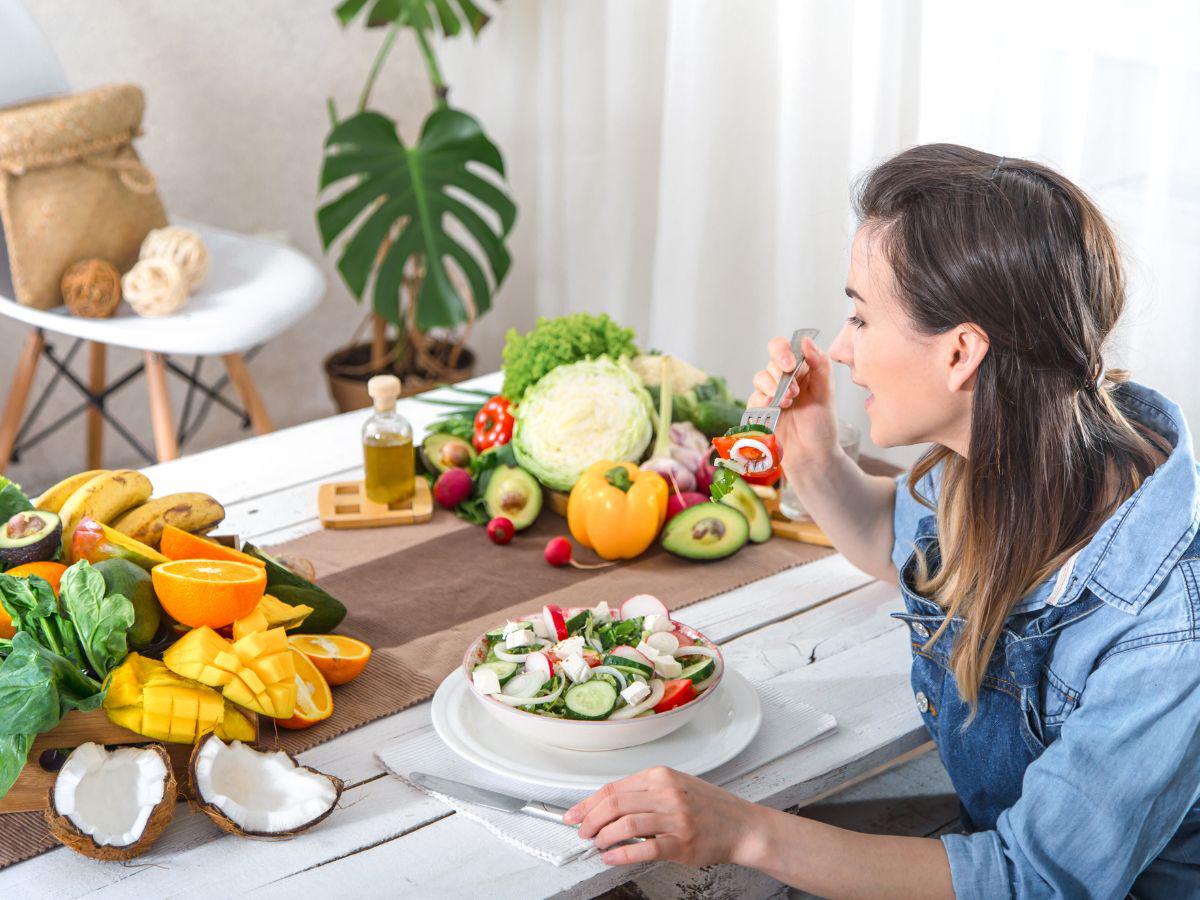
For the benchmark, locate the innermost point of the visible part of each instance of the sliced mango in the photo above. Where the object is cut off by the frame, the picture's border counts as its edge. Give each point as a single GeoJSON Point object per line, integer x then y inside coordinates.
{"type": "Point", "coordinates": [243, 670]}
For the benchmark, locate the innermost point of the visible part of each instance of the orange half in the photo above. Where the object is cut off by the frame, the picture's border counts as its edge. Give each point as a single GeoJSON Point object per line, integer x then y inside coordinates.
{"type": "Point", "coordinates": [314, 700]}
{"type": "Point", "coordinates": [337, 657]}
{"type": "Point", "coordinates": [208, 592]}
{"type": "Point", "coordinates": [179, 544]}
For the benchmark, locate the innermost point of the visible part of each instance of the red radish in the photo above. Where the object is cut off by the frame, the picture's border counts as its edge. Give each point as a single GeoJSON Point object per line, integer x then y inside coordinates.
{"type": "Point", "coordinates": [704, 474]}
{"type": "Point", "coordinates": [643, 605]}
{"type": "Point", "coordinates": [630, 653]}
{"type": "Point", "coordinates": [676, 693]}
{"type": "Point", "coordinates": [540, 663]}
{"type": "Point", "coordinates": [555, 621]}
{"type": "Point", "coordinates": [558, 553]}
{"type": "Point", "coordinates": [677, 503]}
{"type": "Point", "coordinates": [452, 488]}
{"type": "Point", "coordinates": [501, 530]}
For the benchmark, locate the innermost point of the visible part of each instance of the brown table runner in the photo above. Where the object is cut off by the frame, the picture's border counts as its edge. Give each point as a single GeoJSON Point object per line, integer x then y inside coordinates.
{"type": "Point", "coordinates": [419, 595]}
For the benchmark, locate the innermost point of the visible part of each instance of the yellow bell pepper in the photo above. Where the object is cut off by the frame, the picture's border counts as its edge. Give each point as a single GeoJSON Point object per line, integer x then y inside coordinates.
{"type": "Point", "coordinates": [617, 509]}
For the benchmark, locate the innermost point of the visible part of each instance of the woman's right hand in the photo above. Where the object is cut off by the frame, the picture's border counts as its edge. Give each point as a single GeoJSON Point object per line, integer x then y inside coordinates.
{"type": "Point", "coordinates": [807, 427]}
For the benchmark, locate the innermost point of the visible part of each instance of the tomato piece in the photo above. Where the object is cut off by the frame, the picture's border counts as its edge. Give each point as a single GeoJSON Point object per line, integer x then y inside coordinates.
{"type": "Point", "coordinates": [676, 692]}
{"type": "Point", "coordinates": [493, 424]}
{"type": "Point", "coordinates": [591, 657]}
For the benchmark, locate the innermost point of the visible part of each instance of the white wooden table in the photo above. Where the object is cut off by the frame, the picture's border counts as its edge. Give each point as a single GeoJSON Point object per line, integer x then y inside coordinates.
{"type": "Point", "coordinates": [825, 625]}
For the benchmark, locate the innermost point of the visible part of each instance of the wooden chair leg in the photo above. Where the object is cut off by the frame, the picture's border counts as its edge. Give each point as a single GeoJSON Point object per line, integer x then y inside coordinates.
{"type": "Point", "coordinates": [18, 394]}
{"type": "Point", "coordinates": [160, 408]}
{"type": "Point", "coordinates": [97, 381]}
{"type": "Point", "coordinates": [248, 393]}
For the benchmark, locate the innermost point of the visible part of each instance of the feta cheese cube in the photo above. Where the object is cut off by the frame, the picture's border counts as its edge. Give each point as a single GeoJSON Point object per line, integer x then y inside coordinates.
{"type": "Point", "coordinates": [576, 668]}
{"type": "Point", "coordinates": [521, 638]}
{"type": "Point", "coordinates": [668, 667]}
{"type": "Point", "coordinates": [635, 693]}
{"type": "Point", "coordinates": [601, 613]}
{"type": "Point", "coordinates": [510, 627]}
{"type": "Point", "coordinates": [486, 681]}
{"type": "Point", "coordinates": [572, 646]}
{"type": "Point", "coordinates": [655, 623]}
{"type": "Point", "coordinates": [647, 651]}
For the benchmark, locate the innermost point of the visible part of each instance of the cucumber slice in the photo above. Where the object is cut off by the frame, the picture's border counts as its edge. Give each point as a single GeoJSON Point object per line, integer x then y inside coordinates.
{"type": "Point", "coordinates": [504, 670]}
{"type": "Point", "coordinates": [497, 634]}
{"type": "Point", "coordinates": [697, 672]}
{"type": "Point", "coordinates": [593, 699]}
{"type": "Point", "coordinates": [579, 621]}
{"type": "Point", "coordinates": [629, 665]}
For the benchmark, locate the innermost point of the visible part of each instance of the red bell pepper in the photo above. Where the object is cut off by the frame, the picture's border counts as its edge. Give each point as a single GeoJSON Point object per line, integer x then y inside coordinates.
{"type": "Point", "coordinates": [752, 453]}
{"type": "Point", "coordinates": [493, 424]}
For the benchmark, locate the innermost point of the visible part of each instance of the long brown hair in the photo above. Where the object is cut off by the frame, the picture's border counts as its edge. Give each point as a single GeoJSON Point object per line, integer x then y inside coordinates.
{"type": "Point", "coordinates": [1016, 249]}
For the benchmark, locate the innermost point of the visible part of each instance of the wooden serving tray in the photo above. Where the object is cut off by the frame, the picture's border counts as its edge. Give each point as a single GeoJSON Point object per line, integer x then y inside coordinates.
{"type": "Point", "coordinates": [30, 791]}
{"type": "Point", "coordinates": [344, 504]}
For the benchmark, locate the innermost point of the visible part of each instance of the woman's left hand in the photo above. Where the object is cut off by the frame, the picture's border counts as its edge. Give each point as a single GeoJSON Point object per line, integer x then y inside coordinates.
{"type": "Point", "coordinates": [687, 820]}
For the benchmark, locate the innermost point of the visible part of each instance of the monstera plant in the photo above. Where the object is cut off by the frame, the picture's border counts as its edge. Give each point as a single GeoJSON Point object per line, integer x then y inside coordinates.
{"type": "Point", "coordinates": [420, 229]}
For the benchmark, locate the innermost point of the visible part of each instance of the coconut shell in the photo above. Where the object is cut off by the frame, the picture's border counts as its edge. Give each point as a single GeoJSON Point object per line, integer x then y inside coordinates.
{"type": "Point", "coordinates": [226, 824]}
{"type": "Point", "coordinates": [67, 834]}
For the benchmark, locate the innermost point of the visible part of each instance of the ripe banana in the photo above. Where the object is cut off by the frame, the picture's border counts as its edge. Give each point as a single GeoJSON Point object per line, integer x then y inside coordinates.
{"type": "Point", "coordinates": [188, 511]}
{"type": "Point", "coordinates": [103, 498]}
{"type": "Point", "coordinates": [54, 498]}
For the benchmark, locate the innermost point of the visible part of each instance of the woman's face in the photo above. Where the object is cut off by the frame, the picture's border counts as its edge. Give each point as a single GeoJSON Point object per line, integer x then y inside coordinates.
{"type": "Point", "coordinates": [914, 397]}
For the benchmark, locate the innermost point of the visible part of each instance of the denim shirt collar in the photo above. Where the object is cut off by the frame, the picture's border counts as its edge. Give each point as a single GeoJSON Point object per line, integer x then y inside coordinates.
{"type": "Point", "coordinates": [1138, 546]}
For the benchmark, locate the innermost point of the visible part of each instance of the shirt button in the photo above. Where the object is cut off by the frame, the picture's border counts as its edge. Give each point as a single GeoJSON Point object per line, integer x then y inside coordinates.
{"type": "Point", "coordinates": [922, 702]}
{"type": "Point", "coordinates": [920, 630]}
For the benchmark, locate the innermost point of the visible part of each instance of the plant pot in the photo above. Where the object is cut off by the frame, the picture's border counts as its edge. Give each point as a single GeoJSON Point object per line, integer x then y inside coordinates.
{"type": "Point", "coordinates": [349, 369]}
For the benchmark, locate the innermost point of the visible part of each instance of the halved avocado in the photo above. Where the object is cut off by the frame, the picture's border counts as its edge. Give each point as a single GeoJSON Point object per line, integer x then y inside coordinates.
{"type": "Point", "coordinates": [440, 452]}
{"type": "Point", "coordinates": [515, 494]}
{"type": "Point", "coordinates": [30, 536]}
{"type": "Point", "coordinates": [706, 531]}
{"type": "Point", "coordinates": [742, 498]}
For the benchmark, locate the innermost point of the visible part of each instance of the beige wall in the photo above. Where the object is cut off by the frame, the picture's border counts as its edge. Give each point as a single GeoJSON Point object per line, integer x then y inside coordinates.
{"type": "Point", "coordinates": [236, 114]}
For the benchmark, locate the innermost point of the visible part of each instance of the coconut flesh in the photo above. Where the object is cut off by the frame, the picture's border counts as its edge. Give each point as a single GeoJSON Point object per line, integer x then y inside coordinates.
{"type": "Point", "coordinates": [249, 791]}
{"type": "Point", "coordinates": [112, 804]}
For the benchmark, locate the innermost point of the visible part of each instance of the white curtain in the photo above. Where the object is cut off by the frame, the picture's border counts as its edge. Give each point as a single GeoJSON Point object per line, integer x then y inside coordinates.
{"type": "Point", "coordinates": [686, 165]}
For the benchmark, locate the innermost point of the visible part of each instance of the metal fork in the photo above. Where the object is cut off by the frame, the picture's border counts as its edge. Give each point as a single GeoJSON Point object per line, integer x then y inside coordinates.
{"type": "Point", "coordinates": [768, 416]}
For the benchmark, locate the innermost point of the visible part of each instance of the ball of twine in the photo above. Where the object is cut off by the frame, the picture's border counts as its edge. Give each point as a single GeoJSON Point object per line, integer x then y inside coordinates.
{"type": "Point", "coordinates": [91, 288]}
{"type": "Point", "coordinates": [155, 287]}
{"type": "Point", "coordinates": [182, 246]}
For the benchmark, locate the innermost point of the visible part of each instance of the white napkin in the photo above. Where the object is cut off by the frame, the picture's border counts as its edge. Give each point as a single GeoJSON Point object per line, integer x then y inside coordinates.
{"type": "Point", "coordinates": [788, 725]}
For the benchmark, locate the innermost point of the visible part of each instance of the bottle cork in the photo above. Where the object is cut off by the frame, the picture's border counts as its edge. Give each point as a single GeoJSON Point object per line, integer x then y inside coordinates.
{"type": "Point", "coordinates": [384, 390]}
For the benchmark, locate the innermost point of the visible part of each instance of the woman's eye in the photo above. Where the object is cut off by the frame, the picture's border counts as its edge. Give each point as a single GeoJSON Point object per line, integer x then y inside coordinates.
{"type": "Point", "coordinates": [856, 321]}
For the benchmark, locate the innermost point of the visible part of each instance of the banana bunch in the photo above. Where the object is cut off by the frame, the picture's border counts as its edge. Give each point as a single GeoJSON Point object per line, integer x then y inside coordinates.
{"type": "Point", "coordinates": [121, 499]}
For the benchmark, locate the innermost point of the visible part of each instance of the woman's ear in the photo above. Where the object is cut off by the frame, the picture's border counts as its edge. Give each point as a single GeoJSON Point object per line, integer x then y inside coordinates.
{"type": "Point", "coordinates": [968, 346]}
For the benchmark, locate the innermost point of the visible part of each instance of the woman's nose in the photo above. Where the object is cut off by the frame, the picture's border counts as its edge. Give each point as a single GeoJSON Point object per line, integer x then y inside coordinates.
{"type": "Point", "coordinates": [841, 350]}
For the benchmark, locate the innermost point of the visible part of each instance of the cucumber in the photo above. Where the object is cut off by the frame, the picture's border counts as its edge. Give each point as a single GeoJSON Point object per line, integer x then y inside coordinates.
{"type": "Point", "coordinates": [497, 634]}
{"type": "Point", "coordinates": [578, 621]}
{"type": "Point", "coordinates": [697, 672]}
{"type": "Point", "coordinates": [593, 699]}
{"type": "Point", "coordinates": [628, 665]}
{"type": "Point", "coordinates": [504, 670]}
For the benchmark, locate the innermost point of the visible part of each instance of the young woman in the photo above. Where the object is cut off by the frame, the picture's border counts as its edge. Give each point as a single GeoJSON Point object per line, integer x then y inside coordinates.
{"type": "Point", "coordinates": [1046, 549]}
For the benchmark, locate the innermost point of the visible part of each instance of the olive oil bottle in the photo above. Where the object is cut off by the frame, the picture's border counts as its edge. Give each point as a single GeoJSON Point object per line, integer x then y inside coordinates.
{"type": "Point", "coordinates": [387, 445]}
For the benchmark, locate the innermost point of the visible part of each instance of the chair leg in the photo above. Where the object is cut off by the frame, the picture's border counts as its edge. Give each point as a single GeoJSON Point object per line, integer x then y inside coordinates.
{"type": "Point", "coordinates": [97, 381]}
{"type": "Point", "coordinates": [165, 443]}
{"type": "Point", "coordinates": [248, 393]}
{"type": "Point", "coordinates": [18, 394]}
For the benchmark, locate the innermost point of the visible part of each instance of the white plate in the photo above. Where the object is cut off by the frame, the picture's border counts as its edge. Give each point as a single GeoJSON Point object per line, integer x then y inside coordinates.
{"type": "Point", "coordinates": [721, 730]}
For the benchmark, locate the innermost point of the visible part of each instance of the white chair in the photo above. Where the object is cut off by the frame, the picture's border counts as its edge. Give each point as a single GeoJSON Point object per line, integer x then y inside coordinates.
{"type": "Point", "coordinates": [255, 290]}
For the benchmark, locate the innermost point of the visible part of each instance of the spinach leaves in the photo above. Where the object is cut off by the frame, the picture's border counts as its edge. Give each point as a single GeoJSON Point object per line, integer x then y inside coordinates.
{"type": "Point", "coordinates": [12, 501]}
{"type": "Point", "coordinates": [100, 622]}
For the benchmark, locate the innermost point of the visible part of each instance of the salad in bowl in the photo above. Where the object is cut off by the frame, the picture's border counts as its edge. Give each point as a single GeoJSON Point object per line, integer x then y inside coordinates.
{"type": "Point", "coordinates": [594, 678]}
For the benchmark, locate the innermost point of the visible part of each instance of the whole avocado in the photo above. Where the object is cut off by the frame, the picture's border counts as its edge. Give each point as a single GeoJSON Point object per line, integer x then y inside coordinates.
{"type": "Point", "coordinates": [133, 582]}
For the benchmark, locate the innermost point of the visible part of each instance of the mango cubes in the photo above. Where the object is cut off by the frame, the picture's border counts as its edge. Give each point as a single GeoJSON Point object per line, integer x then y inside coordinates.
{"type": "Point", "coordinates": [144, 696]}
{"type": "Point", "coordinates": [256, 671]}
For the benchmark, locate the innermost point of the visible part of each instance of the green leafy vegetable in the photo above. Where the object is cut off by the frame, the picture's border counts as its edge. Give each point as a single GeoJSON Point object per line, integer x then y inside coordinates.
{"type": "Point", "coordinates": [709, 406]}
{"type": "Point", "coordinates": [101, 621]}
{"type": "Point", "coordinates": [12, 500]}
{"type": "Point", "coordinates": [557, 342]}
{"type": "Point", "coordinates": [14, 751]}
{"type": "Point", "coordinates": [474, 508]}
{"type": "Point", "coordinates": [723, 482]}
{"type": "Point", "coordinates": [626, 631]}
{"type": "Point", "coordinates": [31, 604]}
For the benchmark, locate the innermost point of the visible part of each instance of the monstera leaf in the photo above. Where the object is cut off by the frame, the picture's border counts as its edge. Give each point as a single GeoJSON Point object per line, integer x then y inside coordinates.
{"type": "Point", "coordinates": [450, 15]}
{"type": "Point", "coordinates": [412, 195]}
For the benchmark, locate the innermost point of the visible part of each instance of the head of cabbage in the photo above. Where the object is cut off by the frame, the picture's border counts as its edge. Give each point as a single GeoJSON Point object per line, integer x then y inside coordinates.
{"type": "Point", "coordinates": [579, 414]}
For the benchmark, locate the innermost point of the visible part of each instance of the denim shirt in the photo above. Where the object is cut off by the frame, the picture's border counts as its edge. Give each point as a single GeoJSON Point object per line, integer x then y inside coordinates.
{"type": "Point", "coordinates": [1083, 774]}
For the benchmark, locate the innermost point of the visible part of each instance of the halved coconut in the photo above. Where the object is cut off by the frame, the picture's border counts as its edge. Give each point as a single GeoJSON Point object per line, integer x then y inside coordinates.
{"type": "Point", "coordinates": [261, 793]}
{"type": "Point", "coordinates": [112, 804]}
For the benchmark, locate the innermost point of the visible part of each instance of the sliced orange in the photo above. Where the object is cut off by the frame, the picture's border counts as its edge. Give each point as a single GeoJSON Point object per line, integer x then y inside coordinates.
{"type": "Point", "coordinates": [51, 571]}
{"type": "Point", "coordinates": [210, 592]}
{"type": "Point", "coordinates": [179, 544]}
{"type": "Point", "coordinates": [314, 700]}
{"type": "Point", "coordinates": [337, 657]}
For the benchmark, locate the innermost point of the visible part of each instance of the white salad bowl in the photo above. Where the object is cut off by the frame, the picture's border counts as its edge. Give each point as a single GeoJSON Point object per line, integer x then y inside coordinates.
{"type": "Point", "coordinates": [579, 734]}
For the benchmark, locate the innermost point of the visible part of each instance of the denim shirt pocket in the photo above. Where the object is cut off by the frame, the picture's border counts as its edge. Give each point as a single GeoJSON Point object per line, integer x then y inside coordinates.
{"type": "Point", "coordinates": [1057, 700]}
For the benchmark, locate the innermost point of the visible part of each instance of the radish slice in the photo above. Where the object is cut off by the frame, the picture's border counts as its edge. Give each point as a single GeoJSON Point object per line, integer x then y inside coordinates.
{"type": "Point", "coordinates": [657, 689]}
{"type": "Point", "coordinates": [503, 654]}
{"type": "Point", "coordinates": [539, 663]}
{"type": "Point", "coordinates": [643, 605]}
{"type": "Point", "coordinates": [609, 670]}
{"type": "Point", "coordinates": [629, 653]}
{"type": "Point", "coordinates": [555, 621]}
{"type": "Point", "coordinates": [513, 700]}
{"type": "Point", "coordinates": [663, 642]}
